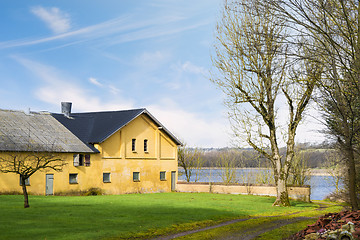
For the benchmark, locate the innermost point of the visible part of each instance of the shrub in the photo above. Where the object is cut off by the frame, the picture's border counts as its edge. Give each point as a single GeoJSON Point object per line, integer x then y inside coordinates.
{"type": "Point", "coordinates": [93, 192]}
{"type": "Point", "coordinates": [88, 192]}
{"type": "Point", "coordinates": [11, 193]}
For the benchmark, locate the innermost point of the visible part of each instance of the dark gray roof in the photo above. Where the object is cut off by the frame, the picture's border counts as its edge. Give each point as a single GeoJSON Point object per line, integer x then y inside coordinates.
{"type": "Point", "coordinates": [37, 132]}
{"type": "Point", "coordinates": [96, 127]}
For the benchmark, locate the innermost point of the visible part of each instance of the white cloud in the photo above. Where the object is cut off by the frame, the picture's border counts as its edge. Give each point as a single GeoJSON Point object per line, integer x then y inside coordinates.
{"type": "Point", "coordinates": [202, 131]}
{"type": "Point", "coordinates": [58, 88]}
{"type": "Point", "coordinates": [114, 90]}
{"type": "Point", "coordinates": [92, 32]}
{"type": "Point", "coordinates": [151, 60]}
{"type": "Point", "coordinates": [192, 128]}
{"type": "Point", "coordinates": [185, 75]}
{"type": "Point", "coordinates": [153, 31]}
{"type": "Point", "coordinates": [95, 82]}
{"type": "Point", "coordinates": [54, 18]}
{"type": "Point", "coordinates": [112, 32]}
{"type": "Point", "coordinates": [192, 68]}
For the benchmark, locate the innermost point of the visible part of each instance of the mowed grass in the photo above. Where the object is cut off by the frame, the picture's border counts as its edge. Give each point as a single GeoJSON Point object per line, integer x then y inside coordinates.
{"type": "Point", "coordinates": [128, 216]}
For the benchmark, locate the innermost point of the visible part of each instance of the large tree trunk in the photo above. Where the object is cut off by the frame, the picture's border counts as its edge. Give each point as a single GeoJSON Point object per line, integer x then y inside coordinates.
{"type": "Point", "coordinates": [347, 146]}
{"type": "Point", "coordinates": [282, 197]}
{"type": "Point", "coordinates": [26, 197]}
{"type": "Point", "coordinates": [352, 178]}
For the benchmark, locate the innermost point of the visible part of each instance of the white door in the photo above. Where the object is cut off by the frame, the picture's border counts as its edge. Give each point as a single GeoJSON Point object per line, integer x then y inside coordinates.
{"type": "Point", "coordinates": [49, 184]}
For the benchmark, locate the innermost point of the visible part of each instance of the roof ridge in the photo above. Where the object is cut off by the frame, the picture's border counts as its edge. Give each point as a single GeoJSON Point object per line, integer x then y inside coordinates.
{"type": "Point", "coordinates": [12, 110]}
{"type": "Point", "coordinates": [25, 112]}
{"type": "Point", "coordinates": [127, 110]}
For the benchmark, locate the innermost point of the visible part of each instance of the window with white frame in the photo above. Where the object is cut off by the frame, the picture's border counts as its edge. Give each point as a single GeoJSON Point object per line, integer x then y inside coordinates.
{"type": "Point", "coordinates": [73, 178]}
{"type": "Point", "coordinates": [106, 177]}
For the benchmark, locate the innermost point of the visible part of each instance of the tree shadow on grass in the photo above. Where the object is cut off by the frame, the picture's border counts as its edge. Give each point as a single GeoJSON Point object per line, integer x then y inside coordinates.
{"type": "Point", "coordinates": [123, 216]}
{"type": "Point", "coordinates": [80, 220]}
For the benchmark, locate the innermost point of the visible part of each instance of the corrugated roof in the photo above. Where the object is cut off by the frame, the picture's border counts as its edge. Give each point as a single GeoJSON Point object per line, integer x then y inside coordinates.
{"type": "Point", "coordinates": [96, 127]}
{"type": "Point", "coordinates": [37, 132]}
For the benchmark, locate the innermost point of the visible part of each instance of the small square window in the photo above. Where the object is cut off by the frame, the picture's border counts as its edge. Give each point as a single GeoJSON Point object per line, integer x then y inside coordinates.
{"type": "Point", "coordinates": [106, 177]}
{"type": "Point", "coordinates": [136, 176]}
{"type": "Point", "coordinates": [163, 176]}
{"type": "Point", "coordinates": [27, 181]}
{"type": "Point", "coordinates": [145, 145]}
{"type": "Point", "coordinates": [133, 145]}
{"type": "Point", "coordinates": [73, 178]}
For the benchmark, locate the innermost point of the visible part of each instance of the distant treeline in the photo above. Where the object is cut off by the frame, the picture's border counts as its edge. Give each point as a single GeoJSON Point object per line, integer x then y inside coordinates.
{"type": "Point", "coordinates": [314, 155]}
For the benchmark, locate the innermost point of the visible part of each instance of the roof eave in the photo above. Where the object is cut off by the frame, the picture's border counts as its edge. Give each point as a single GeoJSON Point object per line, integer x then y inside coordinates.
{"type": "Point", "coordinates": [144, 110]}
{"type": "Point", "coordinates": [175, 139]}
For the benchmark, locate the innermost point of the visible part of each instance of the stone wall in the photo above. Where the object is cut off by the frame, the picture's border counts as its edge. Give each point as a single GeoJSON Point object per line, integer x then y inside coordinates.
{"type": "Point", "coordinates": [297, 193]}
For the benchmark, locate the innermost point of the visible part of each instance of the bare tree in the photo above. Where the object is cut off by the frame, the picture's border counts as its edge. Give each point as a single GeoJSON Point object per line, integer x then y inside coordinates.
{"type": "Point", "coordinates": [190, 159]}
{"type": "Point", "coordinates": [300, 172]}
{"type": "Point", "coordinates": [25, 164]}
{"type": "Point", "coordinates": [335, 168]}
{"type": "Point", "coordinates": [332, 28]}
{"type": "Point", "coordinates": [227, 164]}
{"type": "Point", "coordinates": [198, 163]}
{"type": "Point", "coordinates": [253, 63]}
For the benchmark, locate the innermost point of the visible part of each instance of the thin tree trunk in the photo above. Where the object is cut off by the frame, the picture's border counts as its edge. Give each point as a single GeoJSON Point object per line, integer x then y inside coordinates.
{"type": "Point", "coordinates": [187, 174]}
{"type": "Point", "coordinates": [26, 197]}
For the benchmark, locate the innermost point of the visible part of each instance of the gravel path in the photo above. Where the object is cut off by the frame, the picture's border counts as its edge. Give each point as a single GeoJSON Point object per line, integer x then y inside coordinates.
{"type": "Point", "coordinates": [173, 236]}
{"type": "Point", "coordinates": [247, 234]}
{"type": "Point", "coordinates": [255, 232]}
{"type": "Point", "coordinates": [244, 235]}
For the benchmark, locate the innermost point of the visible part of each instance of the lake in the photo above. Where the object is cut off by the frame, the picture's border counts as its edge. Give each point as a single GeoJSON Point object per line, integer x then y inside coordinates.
{"type": "Point", "coordinates": [321, 186]}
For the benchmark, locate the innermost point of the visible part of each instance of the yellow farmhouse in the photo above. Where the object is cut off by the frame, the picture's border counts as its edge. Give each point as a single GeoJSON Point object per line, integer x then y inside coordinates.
{"type": "Point", "coordinates": [117, 151]}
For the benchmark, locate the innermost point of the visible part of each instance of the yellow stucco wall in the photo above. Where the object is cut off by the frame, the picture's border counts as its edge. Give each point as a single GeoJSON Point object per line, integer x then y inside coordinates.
{"type": "Point", "coordinates": [117, 158]}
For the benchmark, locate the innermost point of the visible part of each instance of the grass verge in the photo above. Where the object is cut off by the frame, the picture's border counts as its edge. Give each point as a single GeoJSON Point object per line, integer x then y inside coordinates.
{"type": "Point", "coordinates": [128, 216]}
{"type": "Point", "coordinates": [254, 225]}
{"type": "Point", "coordinates": [286, 231]}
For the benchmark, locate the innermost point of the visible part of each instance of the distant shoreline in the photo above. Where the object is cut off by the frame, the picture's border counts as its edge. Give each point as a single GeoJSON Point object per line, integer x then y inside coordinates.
{"type": "Point", "coordinates": [313, 171]}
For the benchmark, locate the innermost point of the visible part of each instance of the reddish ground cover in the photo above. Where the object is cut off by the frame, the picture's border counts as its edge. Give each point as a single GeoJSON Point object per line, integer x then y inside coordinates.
{"type": "Point", "coordinates": [332, 223]}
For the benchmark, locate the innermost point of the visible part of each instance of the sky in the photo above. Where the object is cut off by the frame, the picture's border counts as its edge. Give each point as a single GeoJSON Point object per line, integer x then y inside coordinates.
{"type": "Point", "coordinates": [117, 55]}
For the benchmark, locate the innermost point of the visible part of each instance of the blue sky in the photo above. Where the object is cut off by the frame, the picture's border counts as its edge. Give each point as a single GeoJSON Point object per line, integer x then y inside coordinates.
{"type": "Point", "coordinates": [115, 55]}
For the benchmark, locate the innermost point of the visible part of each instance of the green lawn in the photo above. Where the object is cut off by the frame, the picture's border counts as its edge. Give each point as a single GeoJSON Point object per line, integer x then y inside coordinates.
{"type": "Point", "coordinates": [127, 216]}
